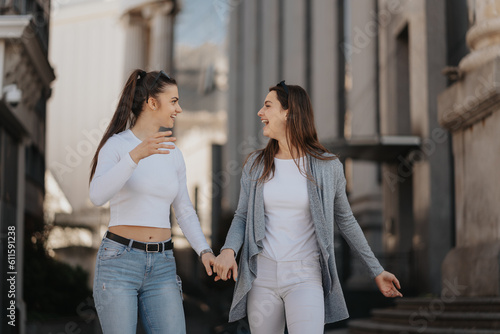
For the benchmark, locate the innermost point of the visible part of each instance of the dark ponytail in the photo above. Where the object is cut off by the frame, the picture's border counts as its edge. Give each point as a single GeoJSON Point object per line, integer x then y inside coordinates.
{"type": "Point", "coordinates": [140, 85]}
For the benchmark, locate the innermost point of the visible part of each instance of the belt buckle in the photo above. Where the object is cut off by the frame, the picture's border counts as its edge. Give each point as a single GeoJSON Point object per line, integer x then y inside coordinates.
{"type": "Point", "coordinates": [153, 251]}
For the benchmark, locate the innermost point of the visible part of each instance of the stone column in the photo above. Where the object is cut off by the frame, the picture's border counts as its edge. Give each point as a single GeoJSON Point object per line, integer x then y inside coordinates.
{"type": "Point", "coordinates": [135, 43]}
{"type": "Point", "coordinates": [161, 41]}
{"type": "Point", "coordinates": [294, 42]}
{"type": "Point", "coordinates": [250, 71]}
{"type": "Point", "coordinates": [470, 110]}
{"type": "Point", "coordinates": [324, 67]}
{"type": "Point", "coordinates": [483, 38]}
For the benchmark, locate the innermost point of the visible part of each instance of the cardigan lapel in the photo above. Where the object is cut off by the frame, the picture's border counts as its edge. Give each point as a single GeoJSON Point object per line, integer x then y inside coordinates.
{"type": "Point", "coordinates": [316, 207]}
{"type": "Point", "coordinates": [259, 215]}
{"type": "Point", "coordinates": [259, 219]}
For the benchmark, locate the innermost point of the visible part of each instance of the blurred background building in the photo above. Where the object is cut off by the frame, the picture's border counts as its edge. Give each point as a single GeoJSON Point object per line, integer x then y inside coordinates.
{"type": "Point", "coordinates": [405, 91]}
{"type": "Point", "coordinates": [95, 46]}
{"type": "Point", "coordinates": [375, 70]}
{"type": "Point", "coordinates": [370, 108]}
{"type": "Point", "coordinates": [25, 78]}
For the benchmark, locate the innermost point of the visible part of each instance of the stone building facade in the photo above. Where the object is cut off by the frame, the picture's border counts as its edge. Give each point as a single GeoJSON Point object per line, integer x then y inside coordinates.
{"type": "Point", "coordinates": [95, 46]}
{"type": "Point", "coordinates": [470, 110]}
{"type": "Point", "coordinates": [410, 113]}
{"type": "Point", "coordinates": [25, 79]}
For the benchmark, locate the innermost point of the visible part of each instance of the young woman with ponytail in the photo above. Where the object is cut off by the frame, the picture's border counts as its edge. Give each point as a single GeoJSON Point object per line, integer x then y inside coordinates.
{"type": "Point", "coordinates": [292, 193]}
{"type": "Point", "coordinates": [141, 172]}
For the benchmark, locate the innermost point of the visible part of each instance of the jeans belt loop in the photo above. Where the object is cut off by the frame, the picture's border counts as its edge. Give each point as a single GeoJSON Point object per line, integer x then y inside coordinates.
{"type": "Point", "coordinates": [130, 245]}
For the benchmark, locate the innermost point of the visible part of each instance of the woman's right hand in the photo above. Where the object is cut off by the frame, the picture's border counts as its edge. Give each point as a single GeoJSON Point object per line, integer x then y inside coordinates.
{"type": "Point", "coordinates": [152, 146]}
{"type": "Point", "coordinates": [388, 284]}
{"type": "Point", "coordinates": [224, 264]}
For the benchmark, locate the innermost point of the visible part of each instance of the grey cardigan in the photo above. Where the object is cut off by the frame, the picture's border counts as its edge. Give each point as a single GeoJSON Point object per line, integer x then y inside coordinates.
{"type": "Point", "coordinates": [328, 203]}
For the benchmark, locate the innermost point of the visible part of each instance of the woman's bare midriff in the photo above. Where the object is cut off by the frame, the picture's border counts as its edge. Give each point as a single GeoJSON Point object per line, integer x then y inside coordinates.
{"type": "Point", "coordinates": [141, 233]}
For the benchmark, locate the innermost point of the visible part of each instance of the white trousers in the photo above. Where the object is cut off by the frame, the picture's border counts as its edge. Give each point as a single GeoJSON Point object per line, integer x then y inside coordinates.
{"type": "Point", "coordinates": [290, 291]}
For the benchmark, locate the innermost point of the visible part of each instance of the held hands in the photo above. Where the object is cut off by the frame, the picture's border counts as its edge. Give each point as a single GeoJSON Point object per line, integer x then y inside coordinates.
{"type": "Point", "coordinates": [225, 264]}
{"type": "Point", "coordinates": [208, 260]}
{"type": "Point", "coordinates": [152, 146]}
{"type": "Point", "coordinates": [387, 284]}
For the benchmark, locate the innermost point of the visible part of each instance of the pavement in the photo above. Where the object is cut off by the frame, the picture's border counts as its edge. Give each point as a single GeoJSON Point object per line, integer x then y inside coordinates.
{"type": "Point", "coordinates": [337, 331]}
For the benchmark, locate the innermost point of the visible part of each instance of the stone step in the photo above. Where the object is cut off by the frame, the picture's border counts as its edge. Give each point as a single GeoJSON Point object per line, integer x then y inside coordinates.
{"type": "Point", "coordinates": [437, 318]}
{"type": "Point", "coordinates": [370, 327]}
{"type": "Point", "coordinates": [450, 304]}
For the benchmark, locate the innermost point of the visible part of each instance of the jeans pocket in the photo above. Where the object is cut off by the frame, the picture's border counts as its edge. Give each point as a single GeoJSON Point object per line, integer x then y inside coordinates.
{"type": "Point", "coordinates": [111, 250]}
{"type": "Point", "coordinates": [169, 255]}
{"type": "Point", "coordinates": [179, 284]}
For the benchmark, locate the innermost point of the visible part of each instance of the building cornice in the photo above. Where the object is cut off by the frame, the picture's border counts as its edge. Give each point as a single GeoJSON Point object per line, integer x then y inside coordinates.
{"type": "Point", "coordinates": [12, 26]}
{"type": "Point", "coordinates": [19, 27]}
{"type": "Point", "coordinates": [471, 99]}
{"type": "Point", "coordinates": [166, 7]}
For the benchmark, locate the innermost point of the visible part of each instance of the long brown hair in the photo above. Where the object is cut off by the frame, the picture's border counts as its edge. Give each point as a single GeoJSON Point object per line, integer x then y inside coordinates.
{"type": "Point", "coordinates": [140, 86]}
{"type": "Point", "coordinates": [300, 133]}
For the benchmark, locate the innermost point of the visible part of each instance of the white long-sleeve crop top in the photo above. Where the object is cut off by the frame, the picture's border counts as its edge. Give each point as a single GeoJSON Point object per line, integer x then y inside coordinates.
{"type": "Point", "coordinates": [141, 194]}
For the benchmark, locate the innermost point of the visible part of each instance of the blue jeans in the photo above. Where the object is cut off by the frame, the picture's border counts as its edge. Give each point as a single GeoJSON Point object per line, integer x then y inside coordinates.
{"type": "Point", "coordinates": [129, 281]}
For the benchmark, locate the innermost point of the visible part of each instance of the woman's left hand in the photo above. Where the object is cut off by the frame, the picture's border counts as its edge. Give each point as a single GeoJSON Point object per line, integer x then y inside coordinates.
{"type": "Point", "coordinates": [208, 260]}
{"type": "Point", "coordinates": [387, 284]}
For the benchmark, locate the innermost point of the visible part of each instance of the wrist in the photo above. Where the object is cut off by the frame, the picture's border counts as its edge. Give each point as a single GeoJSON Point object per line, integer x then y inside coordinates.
{"type": "Point", "coordinates": [205, 251]}
{"type": "Point", "coordinates": [228, 251]}
{"type": "Point", "coordinates": [134, 157]}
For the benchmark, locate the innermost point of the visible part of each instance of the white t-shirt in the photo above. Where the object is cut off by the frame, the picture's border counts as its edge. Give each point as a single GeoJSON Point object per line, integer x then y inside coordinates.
{"type": "Point", "coordinates": [289, 228]}
{"type": "Point", "coordinates": [141, 194]}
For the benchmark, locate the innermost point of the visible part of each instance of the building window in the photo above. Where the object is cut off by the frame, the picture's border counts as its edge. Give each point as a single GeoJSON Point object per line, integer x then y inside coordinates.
{"type": "Point", "coordinates": [35, 165]}
{"type": "Point", "coordinates": [8, 172]}
{"type": "Point", "coordinates": [403, 125]}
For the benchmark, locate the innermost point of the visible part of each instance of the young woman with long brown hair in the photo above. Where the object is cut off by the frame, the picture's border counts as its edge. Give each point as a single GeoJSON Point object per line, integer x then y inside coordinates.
{"type": "Point", "coordinates": [141, 173]}
{"type": "Point", "coordinates": [292, 192]}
